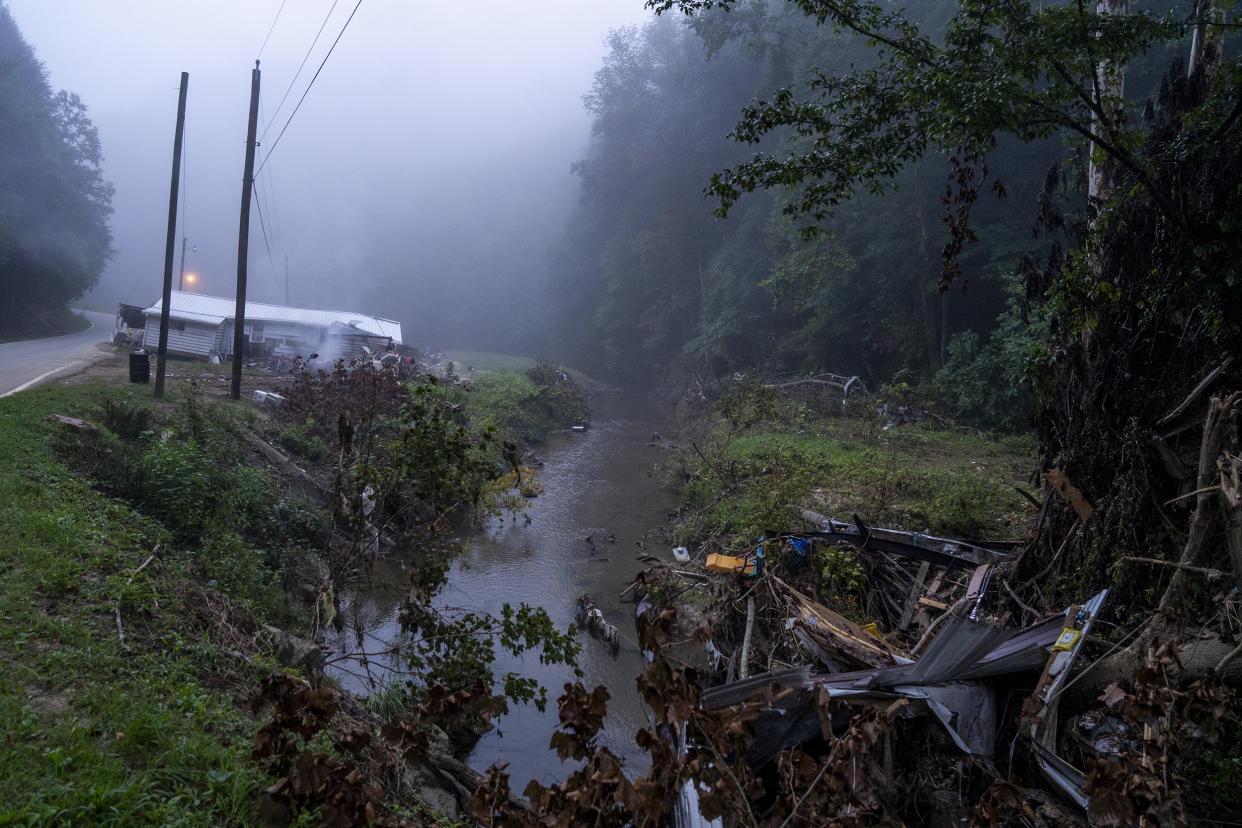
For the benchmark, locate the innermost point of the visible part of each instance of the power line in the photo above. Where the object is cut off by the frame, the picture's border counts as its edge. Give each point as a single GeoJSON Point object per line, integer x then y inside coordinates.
{"type": "Point", "coordinates": [258, 202]}
{"type": "Point", "coordinates": [272, 148]}
{"type": "Point", "coordinates": [269, 192]}
{"type": "Point", "coordinates": [301, 66]}
{"type": "Point", "coordinates": [272, 29]}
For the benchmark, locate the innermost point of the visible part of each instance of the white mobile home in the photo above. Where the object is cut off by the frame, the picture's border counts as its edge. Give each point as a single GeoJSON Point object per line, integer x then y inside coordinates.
{"type": "Point", "coordinates": [199, 326]}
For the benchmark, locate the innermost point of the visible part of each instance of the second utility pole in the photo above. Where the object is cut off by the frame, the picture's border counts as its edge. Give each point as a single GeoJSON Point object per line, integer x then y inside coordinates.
{"type": "Point", "coordinates": [161, 351]}
{"type": "Point", "coordinates": [243, 234]}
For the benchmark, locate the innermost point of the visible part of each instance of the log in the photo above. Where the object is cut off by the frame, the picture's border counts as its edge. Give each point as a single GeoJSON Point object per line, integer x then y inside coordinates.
{"type": "Point", "coordinates": [468, 780]}
{"type": "Point", "coordinates": [1231, 491]}
{"type": "Point", "coordinates": [281, 461]}
{"type": "Point", "coordinates": [1200, 656]}
{"type": "Point", "coordinates": [73, 423]}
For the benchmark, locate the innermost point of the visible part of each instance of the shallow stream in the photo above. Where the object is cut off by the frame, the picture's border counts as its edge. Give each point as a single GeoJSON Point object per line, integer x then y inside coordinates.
{"type": "Point", "coordinates": [598, 484]}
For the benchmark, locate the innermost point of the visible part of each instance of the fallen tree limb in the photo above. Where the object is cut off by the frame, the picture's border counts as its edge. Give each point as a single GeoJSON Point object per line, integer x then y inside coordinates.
{"type": "Point", "coordinates": [282, 462]}
{"type": "Point", "coordinates": [468, 778]}
{"type": "Point", "coordinates": [1025, 607]}
{"type": "Point", "coordinates": [1217, 427]}
{"type": "Point", "coordinates": [1207, 572]}
{"type": "Point", "coordinates": [832, 380]}
{"type": "Point", "coordinates": [1201, 657]}
{"type": "Point", "coordinates": [1196, 391]}
{"type": "Point", "coordinates": [1190, 495]}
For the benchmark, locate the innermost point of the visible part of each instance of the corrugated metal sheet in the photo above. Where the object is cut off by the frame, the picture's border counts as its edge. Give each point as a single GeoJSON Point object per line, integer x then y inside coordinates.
{"type": "Point", "coordinates": [215, 309]}
{"type": "Point", "coordinates": [196, 339]}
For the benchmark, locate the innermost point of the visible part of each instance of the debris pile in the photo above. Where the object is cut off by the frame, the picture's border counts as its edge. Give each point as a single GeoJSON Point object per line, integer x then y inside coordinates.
{"type": "Point", "coordinates": [948, 675]}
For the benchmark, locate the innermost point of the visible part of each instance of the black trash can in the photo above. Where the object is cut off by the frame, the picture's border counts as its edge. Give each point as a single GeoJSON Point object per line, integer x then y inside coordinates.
{"type": "Point", "coordinates": [139, 367]}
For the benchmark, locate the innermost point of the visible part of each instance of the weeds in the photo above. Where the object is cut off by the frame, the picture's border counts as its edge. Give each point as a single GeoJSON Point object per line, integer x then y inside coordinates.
{"type": "Point", "coordinates": [767, 455]}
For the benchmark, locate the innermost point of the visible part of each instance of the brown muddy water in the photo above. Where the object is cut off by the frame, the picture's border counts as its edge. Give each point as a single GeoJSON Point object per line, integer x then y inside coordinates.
{"type": "Point", "coordinates": [600, 483]}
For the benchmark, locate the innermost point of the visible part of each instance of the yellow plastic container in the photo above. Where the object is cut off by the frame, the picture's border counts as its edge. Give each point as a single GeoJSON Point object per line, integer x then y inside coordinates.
{"type": "Point", "coordinates": [728, 563]}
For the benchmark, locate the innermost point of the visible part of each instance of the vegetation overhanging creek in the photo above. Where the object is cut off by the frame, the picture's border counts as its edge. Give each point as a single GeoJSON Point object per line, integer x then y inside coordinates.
{"type": "Point", "coordinates": [603, 502]}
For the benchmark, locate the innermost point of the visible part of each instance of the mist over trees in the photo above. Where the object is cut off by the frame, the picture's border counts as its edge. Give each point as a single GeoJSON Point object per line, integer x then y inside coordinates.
{"type": "Point", "coordinates": [928, 161]}
{"type": "Point", "coordinates": [647, 283]}
{"type": "Point", "coordinates": [54, 202]}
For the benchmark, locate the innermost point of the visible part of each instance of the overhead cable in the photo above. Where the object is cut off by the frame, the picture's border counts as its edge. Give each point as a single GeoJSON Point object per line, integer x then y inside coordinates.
{"type": "Point", "coordinates": [272, 148]}
{"type": "Point", "coordinates": [258, 202]}
{"type": "Point", "coordinates": [272, 29]}
{"type": "Point", "coordinates": [301, 66]}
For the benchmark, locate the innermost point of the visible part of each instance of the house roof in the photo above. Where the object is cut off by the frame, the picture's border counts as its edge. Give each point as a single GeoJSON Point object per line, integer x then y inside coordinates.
{"type": "Point", "coordinates": [213, 310]}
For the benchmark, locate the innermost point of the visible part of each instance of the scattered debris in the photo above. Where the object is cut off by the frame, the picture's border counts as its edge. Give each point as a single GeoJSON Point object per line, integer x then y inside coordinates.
{"type": "Point", "coordinates": [268, 398]}
{"type": "Point", "coordinates": [949, 657]}
{"type": "Point", "coordinates": [593, 621]}
{"type": "Point", "coordinates": [1062, 486]}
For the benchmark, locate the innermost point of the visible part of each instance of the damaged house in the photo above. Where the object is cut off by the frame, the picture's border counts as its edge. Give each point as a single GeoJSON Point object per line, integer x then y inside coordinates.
{"type": "Point", "coordinates": [202, 326]}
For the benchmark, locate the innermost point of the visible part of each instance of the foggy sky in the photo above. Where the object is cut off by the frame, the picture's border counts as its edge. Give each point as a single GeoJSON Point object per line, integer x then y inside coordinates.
{"type": "Point", "coordinates": [429, 162]}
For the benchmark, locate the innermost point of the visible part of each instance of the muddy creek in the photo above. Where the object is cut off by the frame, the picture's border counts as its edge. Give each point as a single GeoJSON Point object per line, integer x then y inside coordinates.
{"type": "Point", "coordinates": [598, 484]}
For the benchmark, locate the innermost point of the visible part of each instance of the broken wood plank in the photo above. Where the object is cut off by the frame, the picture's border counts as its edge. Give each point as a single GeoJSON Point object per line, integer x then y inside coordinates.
{"type": "Point", "coordinates": [841, 635]}
{"type": "Point", "coordinates": [912, 600]}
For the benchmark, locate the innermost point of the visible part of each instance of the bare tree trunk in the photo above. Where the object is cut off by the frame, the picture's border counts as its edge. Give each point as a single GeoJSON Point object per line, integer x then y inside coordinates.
{"type": "Point", "coordinates": [1109, 83]}
{"type": "Point", "coordinates": [944, 328]}
{"type": "Point", "coordinates": [1207, 14]}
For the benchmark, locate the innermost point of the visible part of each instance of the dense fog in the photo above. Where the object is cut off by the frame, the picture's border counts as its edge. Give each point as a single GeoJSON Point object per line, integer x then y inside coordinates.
{"type": "Point", "coordinates": [421, 178]}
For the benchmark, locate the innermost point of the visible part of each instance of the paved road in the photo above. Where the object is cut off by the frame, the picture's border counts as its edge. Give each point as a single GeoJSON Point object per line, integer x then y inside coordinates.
{"type": "Point", "coordinates": [31, 362]}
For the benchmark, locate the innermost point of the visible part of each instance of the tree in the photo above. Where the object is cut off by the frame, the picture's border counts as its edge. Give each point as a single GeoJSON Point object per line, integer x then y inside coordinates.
{"type": "Point", "coordinates": [996, 69]}
{"type": "Point", "coordinates": [54, 202]}
{"type": "Point", "coordinates": [1137, 384]}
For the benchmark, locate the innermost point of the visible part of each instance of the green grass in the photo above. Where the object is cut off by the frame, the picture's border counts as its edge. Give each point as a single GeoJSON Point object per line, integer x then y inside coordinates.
{"type": "Point", "coordinates": [467, 362]}
{"type": "Point", "coordinates": [486, 362]}
{"type": "Point", "coordinates": [94, 735]}
{"type": "Point", "coordinates": [524, 405]}
{"type": "Point", "coordinates": [766, 457]}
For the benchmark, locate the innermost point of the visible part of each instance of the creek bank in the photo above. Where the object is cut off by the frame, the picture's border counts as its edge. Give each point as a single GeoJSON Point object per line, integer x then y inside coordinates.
{"type": "Point", "coordinates": [244, 565]}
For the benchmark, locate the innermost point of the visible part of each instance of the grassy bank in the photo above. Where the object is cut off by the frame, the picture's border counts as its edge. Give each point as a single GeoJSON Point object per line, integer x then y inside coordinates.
{"type": "Point", "coordinates": [100, 730]}
{"type": "Point", "coordinates": [758, 456]}
{"type": "Point", "coordinates": [466, 363]}
{"type": "Point", "coordinates": [150, 550]}
{"type": "Point", "coordinates": [522, 405]}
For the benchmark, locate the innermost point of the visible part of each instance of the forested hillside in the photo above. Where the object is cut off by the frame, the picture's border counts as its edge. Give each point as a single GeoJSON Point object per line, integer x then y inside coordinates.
{"type": "Point", "coordinates": [54, 203]}
{"type": "Point", "coordinates": [648, 284]}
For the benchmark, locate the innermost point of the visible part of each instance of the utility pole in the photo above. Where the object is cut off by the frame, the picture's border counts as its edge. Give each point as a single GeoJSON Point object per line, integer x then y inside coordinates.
{"type": "Point", "coordinates": [181, 278]}
{"type": "Point", "coordinates": [171, 245]}
{"type": "Point", "coordinates": [243, 234]}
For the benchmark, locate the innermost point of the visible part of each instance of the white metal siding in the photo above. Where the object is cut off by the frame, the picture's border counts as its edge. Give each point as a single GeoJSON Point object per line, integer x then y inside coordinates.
{"type": "Point", "coordinates": [196, 340]}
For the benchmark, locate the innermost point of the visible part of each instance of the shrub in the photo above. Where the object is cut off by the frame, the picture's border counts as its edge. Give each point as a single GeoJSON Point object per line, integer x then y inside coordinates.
{"type": "Point", "coordinates": [303, 441]}
{"type": "Point", "coordinates": [176, 486]}
{"type": "Point", "coordinates": [986, 381]}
